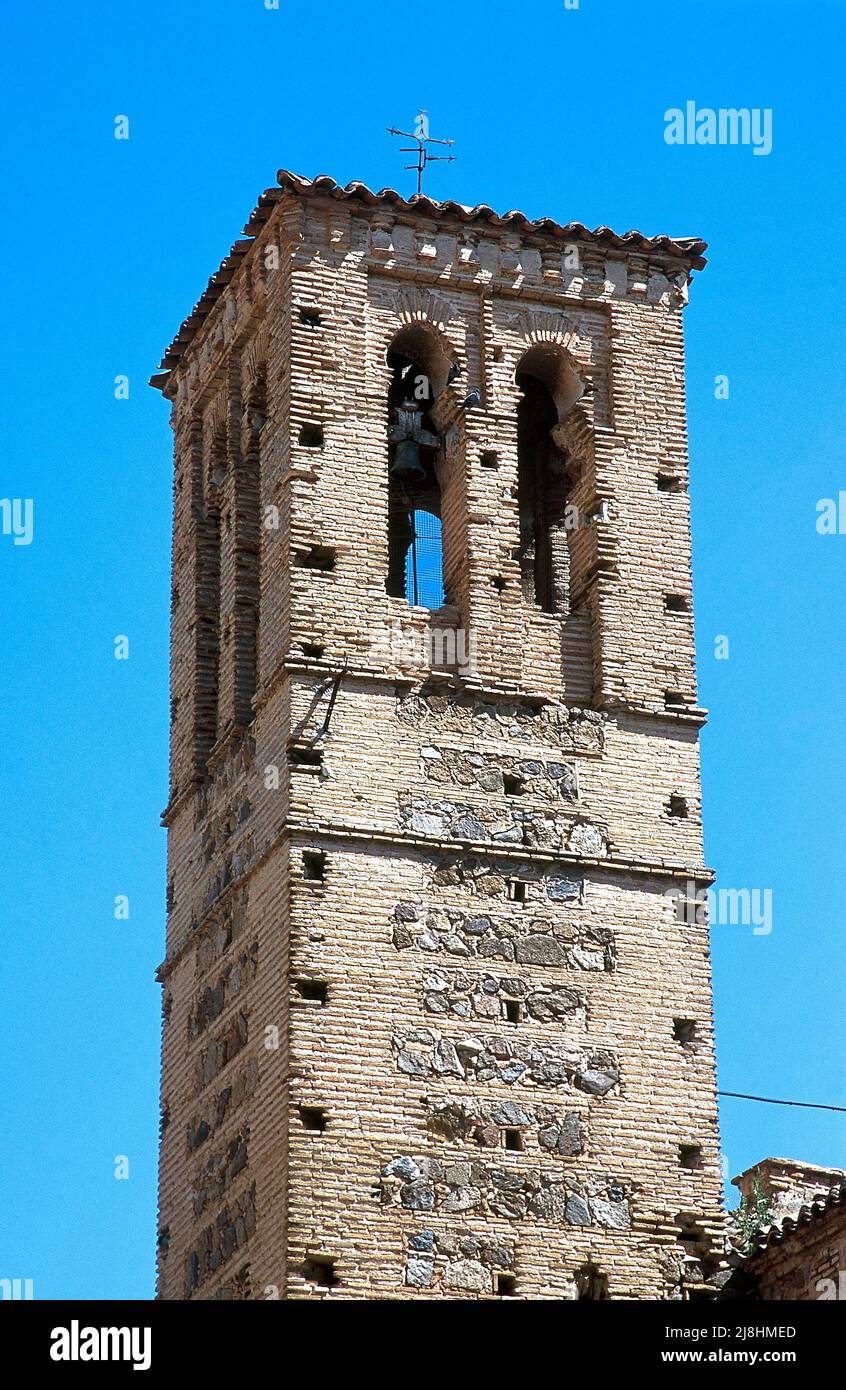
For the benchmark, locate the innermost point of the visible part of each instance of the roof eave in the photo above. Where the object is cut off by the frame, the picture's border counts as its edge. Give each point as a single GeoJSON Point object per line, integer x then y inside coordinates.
{"type": "Point", "coordinates": [688, 250]}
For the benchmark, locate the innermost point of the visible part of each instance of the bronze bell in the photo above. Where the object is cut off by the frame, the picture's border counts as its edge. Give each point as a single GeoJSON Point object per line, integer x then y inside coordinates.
{"type": "Point", "coordinates": [406, 467]}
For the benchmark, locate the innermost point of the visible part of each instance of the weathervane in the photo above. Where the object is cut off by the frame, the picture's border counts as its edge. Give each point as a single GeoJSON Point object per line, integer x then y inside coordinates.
{"type": "Point", "coordinates": [423, 138]}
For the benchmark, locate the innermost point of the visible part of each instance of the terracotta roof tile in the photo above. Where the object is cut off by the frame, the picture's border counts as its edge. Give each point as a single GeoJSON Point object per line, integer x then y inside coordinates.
{"type": "Point", "coordinates": [808, 1213]}
{"type": "Point", "coordinates": [688, 249]}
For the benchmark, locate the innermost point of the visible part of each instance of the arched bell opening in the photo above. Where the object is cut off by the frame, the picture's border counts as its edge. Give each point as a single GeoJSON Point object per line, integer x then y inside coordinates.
{"type": "Point", "coordinates": [549, 387]}
{"type": "Point", "coordinates": [420, 368]}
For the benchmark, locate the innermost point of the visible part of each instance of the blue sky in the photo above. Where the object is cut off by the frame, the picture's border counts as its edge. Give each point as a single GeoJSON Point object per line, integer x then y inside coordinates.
{"type": "Point", "coordinates": [107, 244]}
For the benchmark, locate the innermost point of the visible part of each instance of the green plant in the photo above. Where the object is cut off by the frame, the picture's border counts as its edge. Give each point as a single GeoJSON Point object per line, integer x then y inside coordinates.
{"type": "Point", "coordinates": [754, 1213]}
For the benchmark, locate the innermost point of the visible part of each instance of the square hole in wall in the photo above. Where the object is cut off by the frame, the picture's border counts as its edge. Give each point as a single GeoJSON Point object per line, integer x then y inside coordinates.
{"type": "Point", "coordinates": [512, 784]}
{"type": "Point", "coordinates": [591, 1284]}
{"type": "Point", "coordinates": [676, 603]}
{"type": "Point", "coordinates": [311, 436]}
{"type": "Point", "coordinates": [512, 1139]}
{"type": "Point", "coordinates": [684, 1031]}
{"type": "Point", "coordinates": [691, 1233]}
{"type": "Point", "coordinates": [316, 557]}
{"type": "Point", "coordinates": [516, 890]}
{"type": "Point", "coordinates": [506, 1286]}
{"type": "Point", "coordinates": [313, 651]}
{"type": "Point", "coordinates": [310, 317]}
{"type": "Point", "coordinates": [498, 582]}
{"type": "Point", "coordinates": [313, 1118]}
{"type": "Point", "coordinates": [303, 758]}
{"type": "Point", "coordinates": [489, 458]}
{"type": "Point", "coordinates": [499, 353]}
{"type": "Point", "coordinates": [320, 1269]}
{"type": "Point", "coordinates": [690, 1156]}
{"type": "Point", "coordinates": [313, 991]}
{"type": "Point", "coordinates": [669, 482]}
{"type": "Point", "coordinates": [314, 866]}
{"type": "Point", "coordinates": [677, 807]}
{"type": "Point", "coordinates": [673, 699]}
{"type": "Point", "coordinates": [512, 1010]}
{"type": "Point", "coordinates": [691, 911]}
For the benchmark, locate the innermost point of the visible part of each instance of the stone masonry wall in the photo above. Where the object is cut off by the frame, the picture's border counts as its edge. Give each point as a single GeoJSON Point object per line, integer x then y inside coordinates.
{"type": "Point", "coordinates": [432, 1025]}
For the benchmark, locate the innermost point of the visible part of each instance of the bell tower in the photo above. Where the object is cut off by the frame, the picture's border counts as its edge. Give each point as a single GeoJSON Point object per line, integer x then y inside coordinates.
{"type": "Point", "coordinates": [437, 1010]}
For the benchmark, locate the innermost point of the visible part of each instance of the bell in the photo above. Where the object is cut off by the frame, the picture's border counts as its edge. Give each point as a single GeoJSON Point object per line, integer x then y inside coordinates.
{"type": "Point", "coordinates": [406, 467]}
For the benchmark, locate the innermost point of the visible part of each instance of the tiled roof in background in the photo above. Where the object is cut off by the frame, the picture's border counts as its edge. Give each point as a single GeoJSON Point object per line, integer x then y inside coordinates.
{"type": "Point", "coordinates": [809, 1212]}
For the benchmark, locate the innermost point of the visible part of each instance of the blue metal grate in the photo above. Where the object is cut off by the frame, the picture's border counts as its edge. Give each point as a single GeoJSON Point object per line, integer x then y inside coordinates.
{"type": "Point", "coordinates": [424, 572]}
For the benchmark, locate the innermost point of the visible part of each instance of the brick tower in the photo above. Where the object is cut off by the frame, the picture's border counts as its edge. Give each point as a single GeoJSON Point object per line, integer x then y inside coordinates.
{"type": "Point", "coordinates": [437, 1014]}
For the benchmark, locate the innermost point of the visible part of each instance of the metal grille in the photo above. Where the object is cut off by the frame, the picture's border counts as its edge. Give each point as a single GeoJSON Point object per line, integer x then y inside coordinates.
{"type": "Point", "coordinates": [424, 572]}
